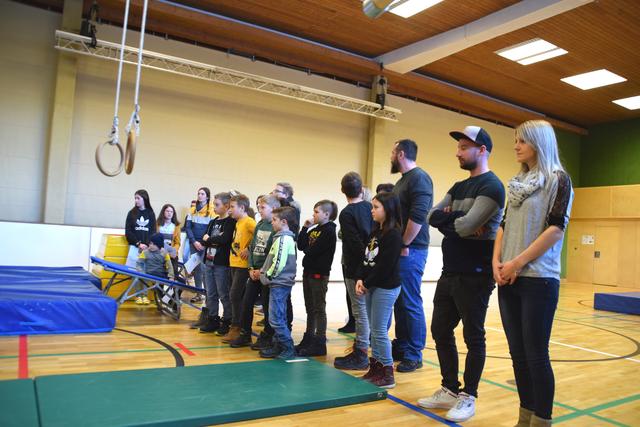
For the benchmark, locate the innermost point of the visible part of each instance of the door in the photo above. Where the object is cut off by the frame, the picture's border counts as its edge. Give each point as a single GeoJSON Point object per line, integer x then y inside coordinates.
{"type": "Point", "coordinates": [605, 257]}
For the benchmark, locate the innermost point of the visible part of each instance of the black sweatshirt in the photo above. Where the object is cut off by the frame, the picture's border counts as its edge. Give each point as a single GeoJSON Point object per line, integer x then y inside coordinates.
{"type": "Point", "coordinates": [382, 256]}
{"type": "Point", "coordinates": [319, 246]}
{"type": "Point", "coordinates": [355, 225]}
{"type": "Point", "coordinates": [220, 233]}
{"type": "Point", "coordinates": [139, 226]}
{"type": "Point", "coordinates": [415, 190]}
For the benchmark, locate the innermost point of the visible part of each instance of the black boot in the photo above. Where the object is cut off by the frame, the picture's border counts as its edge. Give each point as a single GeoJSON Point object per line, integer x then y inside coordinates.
{"type": "Point", "coordinates": [357, 360]}
{"type": "Point", "coordinates": [263, 341]}
{"type": "Point", "coordinates": [204, 315]}
{"type": "Point", "coordinates": [212, 324]}
{"type": "Point", "coordinates": [318, 347]}
{"type": "Point", "coordinates": [243, 340]}
{"type": "Point", "coordinates": [272, 351]}
{"type": "Point", "coordinates": [224, 327]}
{"type": "Point", "coordinates": [287, 351]}
{"type": "Point", "coordinates": [307, 339]}
{"type": "Point", "coordinates": [349, 328]}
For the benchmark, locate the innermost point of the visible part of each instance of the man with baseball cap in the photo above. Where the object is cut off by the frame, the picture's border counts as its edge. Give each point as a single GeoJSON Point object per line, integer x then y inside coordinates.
{"type": "Point", "coordinates": [468, 216]}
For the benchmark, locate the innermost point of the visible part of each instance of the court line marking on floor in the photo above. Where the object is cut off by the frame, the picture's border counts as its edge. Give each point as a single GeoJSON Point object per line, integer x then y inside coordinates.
{"type": "Point", "coordinates": [23, 357]}
{"type": "Point", "coordinates": [597, 408]}
{"type": "Point", "coordinates": [555, 403]}
{"type": "Point", "coordinates": [91, 353]}
{"type": "Point", "coordinates": [184, 349]}
{"type": "Point", "coordinates": [590, 350]}
{"type": "Point", "coordinates": [421, 411]}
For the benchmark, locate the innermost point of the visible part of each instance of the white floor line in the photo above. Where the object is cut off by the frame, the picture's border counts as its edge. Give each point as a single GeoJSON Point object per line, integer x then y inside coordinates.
{"type": "Point", "coordinates": [577, 347]}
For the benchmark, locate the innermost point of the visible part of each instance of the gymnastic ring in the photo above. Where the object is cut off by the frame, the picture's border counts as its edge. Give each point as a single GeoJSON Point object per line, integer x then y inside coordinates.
{"type": "Point", "coordinates": [130, 155]}
{"type": "Point", "coordinates": [99, 163]}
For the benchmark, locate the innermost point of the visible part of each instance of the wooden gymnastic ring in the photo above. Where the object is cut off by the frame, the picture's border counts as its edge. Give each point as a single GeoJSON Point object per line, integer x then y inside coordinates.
{"type": "Point", "coordinates": [130, 155]}
{"type": "Point", "coordinates": [99, 162]}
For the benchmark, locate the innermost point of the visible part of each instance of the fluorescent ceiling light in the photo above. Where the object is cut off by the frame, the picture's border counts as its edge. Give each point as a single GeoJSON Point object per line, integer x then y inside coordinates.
{"type": "Point", "coordinates": [408, 8]}
{"type": "Point", "coordinates": [542, 56]}
{"type": "Point", "coordinates": [632, 103]}
{"type": "Point", "coordinates": [594, 79]}
{"type": "Point", "coordinates": [531, 51]}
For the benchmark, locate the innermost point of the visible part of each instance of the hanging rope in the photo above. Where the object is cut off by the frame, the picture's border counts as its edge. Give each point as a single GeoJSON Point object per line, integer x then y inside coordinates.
{"type": "Point", "coordinates": [114, 137]}
{"type": "Point", "coordinates": [133, 127]}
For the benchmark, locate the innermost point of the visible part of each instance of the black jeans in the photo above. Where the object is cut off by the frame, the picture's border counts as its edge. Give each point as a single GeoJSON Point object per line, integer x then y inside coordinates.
{"type": "Point", "coordinates": [461, 297]}
{"type": "Point", "coordinates": [527, 308]}
{"type": "Point", "coordinates": [239, 278]}
{"type": "Point", "coordinates": [265, 308]}
{"type": "Point", "coordinates": [314, 287]}
{"type": "Point", "coordinates": [251, 293]}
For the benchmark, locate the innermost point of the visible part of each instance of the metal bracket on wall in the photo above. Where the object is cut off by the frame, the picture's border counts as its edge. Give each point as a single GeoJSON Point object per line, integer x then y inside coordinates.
{"type": "Point", "coordinates": [75, 43]}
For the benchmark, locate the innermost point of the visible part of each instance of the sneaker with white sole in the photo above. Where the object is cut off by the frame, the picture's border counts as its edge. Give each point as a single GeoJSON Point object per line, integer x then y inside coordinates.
{"type": "Point", "coordinates": [464, 409]}
{"type": "Point", "coordinates": [441, 399]}
{"type": "Point", "coordinates": [139, 301]}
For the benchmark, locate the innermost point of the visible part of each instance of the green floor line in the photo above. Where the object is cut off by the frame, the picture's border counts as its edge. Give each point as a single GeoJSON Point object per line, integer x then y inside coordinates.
{"type": "Point", "coordinates": [597, 408]}
{"type": "Point", "coordinates": [91, 353]}
{"type": "Point", "coordinates": [576, 412]}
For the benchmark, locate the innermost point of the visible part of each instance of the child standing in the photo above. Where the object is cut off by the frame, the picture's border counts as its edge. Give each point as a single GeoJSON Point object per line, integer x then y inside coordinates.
{"type": "Point", "coordinates": [279, 273]}
{"type": "Point", "coordinates": [217, 274]}
{"type": "Point", "coordinates": [379, 281]}
{"type": "Point", "coordinates": [317, 240]}
{"type": "Point", "coordinates": [258, 250]}
{"type": "Point", "coordinates": [139, 225]}
{"type": "Point", "coordinates": [355, 225]}
{"type": "Point", "coordinates": [200, 213]}
{"type": "Point", "coordinates": [155, 260]}
{"type": "Point", "coordinates": [239, 259]}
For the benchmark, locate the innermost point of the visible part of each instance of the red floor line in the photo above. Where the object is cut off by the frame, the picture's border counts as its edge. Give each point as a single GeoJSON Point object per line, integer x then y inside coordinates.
{"type": "Point", "coordinates": [185, 349]}
{"type": "Point", "coordinates": [23, 357]}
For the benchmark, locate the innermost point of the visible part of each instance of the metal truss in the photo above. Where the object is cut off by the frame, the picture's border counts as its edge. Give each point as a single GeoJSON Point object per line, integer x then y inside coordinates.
{"type": "Point", "coordinates": [74, 43]}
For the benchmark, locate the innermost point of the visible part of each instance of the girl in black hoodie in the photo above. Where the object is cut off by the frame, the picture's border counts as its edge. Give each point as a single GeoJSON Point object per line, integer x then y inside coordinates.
{"type": "Point", "coordinates": [139, 226]}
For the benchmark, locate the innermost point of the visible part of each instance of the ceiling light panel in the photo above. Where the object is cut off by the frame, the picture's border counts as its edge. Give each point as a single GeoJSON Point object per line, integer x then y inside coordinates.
{"type": "Point", "coordinates": [594, 79]}
{"type": "Point", "coordinates": [409, 8]}
{"type": "Point", "coordinates": [632, 103]}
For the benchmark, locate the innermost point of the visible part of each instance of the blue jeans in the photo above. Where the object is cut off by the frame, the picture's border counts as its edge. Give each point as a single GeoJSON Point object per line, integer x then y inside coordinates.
{"type": "Point", "coordinates": [411, 325]}
{"type": "Point", "coordinates": [527, 308]}
{"type": "Point", "coordinates": [379, 307]}
{"type": "Point", "coordinates": [217, 281]}
{"type": "Point", "coordinates": [359, 310]}
{"type": "Point", "coordinates": [278, 297]}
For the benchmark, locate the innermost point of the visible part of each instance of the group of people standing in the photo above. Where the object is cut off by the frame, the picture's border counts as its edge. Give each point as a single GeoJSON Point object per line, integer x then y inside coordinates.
{"type": "Point", "coordinates": [384, 251]}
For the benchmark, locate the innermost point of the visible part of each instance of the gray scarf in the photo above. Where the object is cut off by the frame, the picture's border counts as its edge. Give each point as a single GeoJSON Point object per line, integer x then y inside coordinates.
{"type": "Point", "coordinates": [522, 186]}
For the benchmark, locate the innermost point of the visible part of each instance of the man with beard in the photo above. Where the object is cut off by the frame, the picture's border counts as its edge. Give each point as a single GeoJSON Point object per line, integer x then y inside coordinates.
{"type": "Point", "coordinates": [415, 191]}
{"type": "Point", "coordinates": [469, 217]}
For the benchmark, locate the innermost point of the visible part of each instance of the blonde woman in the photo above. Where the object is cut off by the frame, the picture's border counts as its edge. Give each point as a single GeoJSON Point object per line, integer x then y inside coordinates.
{"type": "Point", "coordinates": [526, 265]}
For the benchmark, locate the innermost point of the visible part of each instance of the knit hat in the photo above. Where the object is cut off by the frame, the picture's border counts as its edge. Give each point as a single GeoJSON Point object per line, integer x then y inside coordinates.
{"type": "Point", "coordinates": [157, 240]}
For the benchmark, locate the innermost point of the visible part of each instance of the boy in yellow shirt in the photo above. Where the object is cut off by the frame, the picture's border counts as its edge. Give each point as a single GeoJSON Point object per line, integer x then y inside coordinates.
{"type": "Point", "coordinates": [239, 259]}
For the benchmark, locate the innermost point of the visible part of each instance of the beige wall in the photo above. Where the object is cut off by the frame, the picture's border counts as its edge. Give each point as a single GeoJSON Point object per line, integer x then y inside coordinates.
{"type": "Point", "coordinates": [611, 217]}
{"type": "Point", "coordinates": [198, 133]}
{"type": "Point", "coordinates": [27, 61]}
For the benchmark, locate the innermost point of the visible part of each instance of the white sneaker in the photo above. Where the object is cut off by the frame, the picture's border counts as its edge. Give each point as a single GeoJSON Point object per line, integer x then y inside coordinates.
{"type": "Point", "coordinates": [464, 409]}
{"type": "Point", "coordinates": [443, 399]}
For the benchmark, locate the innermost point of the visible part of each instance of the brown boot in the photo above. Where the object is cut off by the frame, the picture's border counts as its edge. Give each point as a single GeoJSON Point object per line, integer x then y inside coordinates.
{"type": "Point", "coordinates": [524, 419]}
{"type": "Point", "coordinates": [385, 378]}
{"type": "Point", "coordinates": [374, 369]}
{"type": "Point", "coordinates": [233, 334]}
{"type": "Point", "coordinates": [539, 422]}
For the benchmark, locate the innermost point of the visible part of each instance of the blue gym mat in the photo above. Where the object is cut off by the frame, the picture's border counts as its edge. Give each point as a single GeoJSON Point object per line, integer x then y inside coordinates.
{"type": "Point", "coordinates": [41, 300]}
{"type": "Point", "coordinates": [624, 302]}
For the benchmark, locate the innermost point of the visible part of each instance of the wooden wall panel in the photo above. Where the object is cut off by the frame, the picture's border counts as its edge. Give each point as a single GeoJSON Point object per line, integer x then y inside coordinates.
{"type": "Point", "coordinates": [593, 202]}
{"type": "Point", "coordinates": [625, 201]}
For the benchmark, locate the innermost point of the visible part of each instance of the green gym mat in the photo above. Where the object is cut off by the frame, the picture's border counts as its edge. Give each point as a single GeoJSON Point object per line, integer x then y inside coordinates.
{"type": "Point", "coordinates": [18, 404]}
{"type": "Point", "coordinates": [197, 395]}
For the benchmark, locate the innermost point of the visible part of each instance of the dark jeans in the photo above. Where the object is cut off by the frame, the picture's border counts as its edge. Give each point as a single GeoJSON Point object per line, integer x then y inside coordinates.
{"type": "Point", "coordinates": [266, 291]}
{"type": "Point", "coordinates": [315, 301]}
{"type": "Point", "coordinates": [527, 308]}
{"type": "Point", "coordinates": [239, 278]}
{"type": "Point", "coordinates": [461, 297]}
{"type": "Point", "coordinates": [251, 293]}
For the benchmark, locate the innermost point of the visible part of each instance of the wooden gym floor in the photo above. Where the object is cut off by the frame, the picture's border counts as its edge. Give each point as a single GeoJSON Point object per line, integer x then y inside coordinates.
{"type": "Point", "coordinates": [596, 359]}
